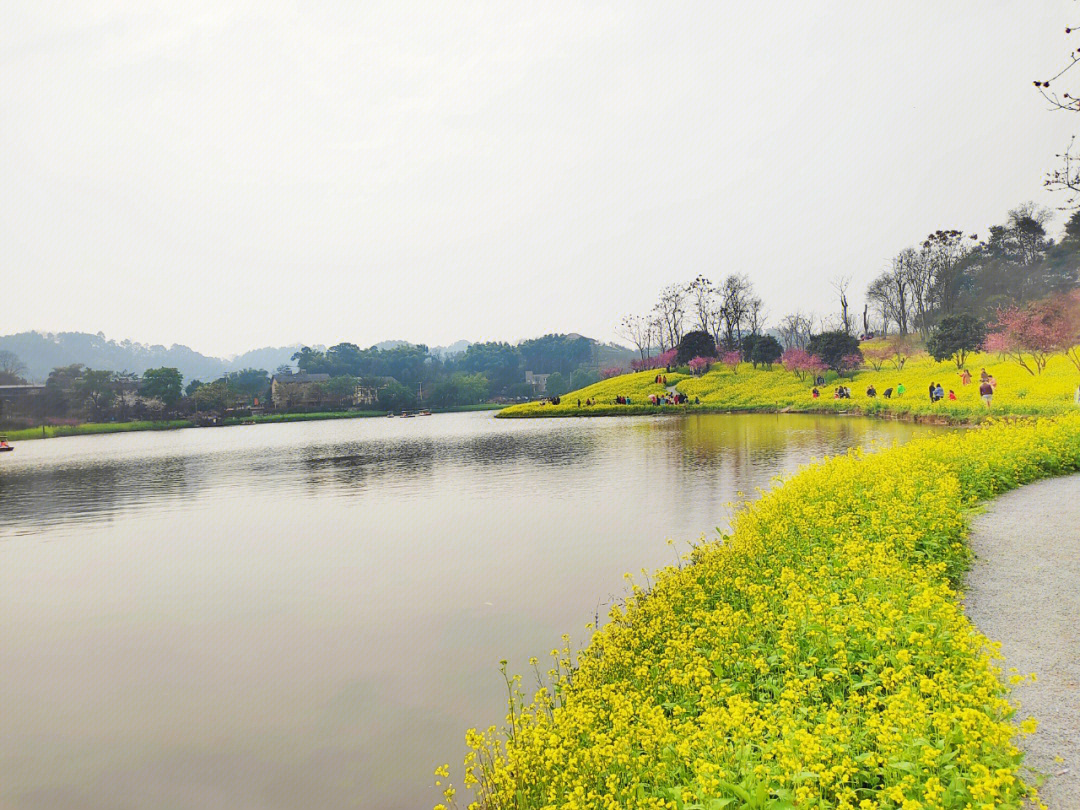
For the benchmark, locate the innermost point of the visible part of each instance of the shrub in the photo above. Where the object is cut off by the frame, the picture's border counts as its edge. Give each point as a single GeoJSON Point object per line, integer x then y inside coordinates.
{"type": "Point", "coordinates": [836, 350]}
{"type": "Point", "coordinates": [695, 344]}
{"type": "Point", "coordinates": [815, 657]}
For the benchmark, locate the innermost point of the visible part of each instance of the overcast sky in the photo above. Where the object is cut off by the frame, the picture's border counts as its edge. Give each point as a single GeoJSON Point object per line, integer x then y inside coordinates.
{"type": "Point", "coordinates": [232, 175]}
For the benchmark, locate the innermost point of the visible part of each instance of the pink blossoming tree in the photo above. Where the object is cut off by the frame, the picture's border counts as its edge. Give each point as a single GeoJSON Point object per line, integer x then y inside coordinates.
{"type": "Point", "coordinates": [1031, 334]}
{"type": "Point", "coordinates": [800, 362]}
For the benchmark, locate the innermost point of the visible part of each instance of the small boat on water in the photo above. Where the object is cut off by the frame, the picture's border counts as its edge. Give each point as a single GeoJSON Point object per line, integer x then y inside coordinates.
{"type": "Point", "coordinates": [4, 446]}
{"type": "Point", "coordinates": [425, 412]}
{"type": "Point", "coordinates": [407, 415]}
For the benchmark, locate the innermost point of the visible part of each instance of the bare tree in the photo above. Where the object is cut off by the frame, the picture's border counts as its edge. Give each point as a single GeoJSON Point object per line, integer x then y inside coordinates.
{"type": "Point", "coordinates": [902, 296]}
{"type": "Point", "coordinates": [881, 293]}
{"type": "Point", "coordinates": [671, 311]}
{"type": "Point", "coordinates": [755, 316]}
{"type": "Point", "coordinates": [1027, 223]}
{"type": "Point", "coordinates": [841, 285]}
{"type": "Point", "coordinates": [946, 251]}
{"type": "Point", "coordinates": [736, 294]}
{"type": "Point", "coordinates": [10, 364]}
{"type": "Point", "coordinates": [1066, 177]}
{"type": "Point", "coordinates": [918, 272]}
{"type": "Point", "coordinates": [659, 331]}
{"type": "Point", "coordinates": [638, 330]}
{"type": "Point", "coordinates": [795, 329]}
{"type": "Point", "coordinates": [702, 295]}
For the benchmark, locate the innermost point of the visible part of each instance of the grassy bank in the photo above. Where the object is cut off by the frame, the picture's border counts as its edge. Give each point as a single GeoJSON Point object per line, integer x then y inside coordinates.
{"type": "Point", "coordinates": [748, 390]}
{"type": "Point", "coordinates": [816, 657]}
{"type": "Point", "coordinates": [90, 428]}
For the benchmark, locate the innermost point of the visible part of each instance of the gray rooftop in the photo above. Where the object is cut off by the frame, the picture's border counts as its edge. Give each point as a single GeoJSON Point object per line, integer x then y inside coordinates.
{"type": "Point", "coordinates": [301, 378]}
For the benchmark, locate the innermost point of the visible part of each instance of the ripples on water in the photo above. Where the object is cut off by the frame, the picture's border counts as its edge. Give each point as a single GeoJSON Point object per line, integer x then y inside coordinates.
{"type": "Point", "coordinates": [310, 614]}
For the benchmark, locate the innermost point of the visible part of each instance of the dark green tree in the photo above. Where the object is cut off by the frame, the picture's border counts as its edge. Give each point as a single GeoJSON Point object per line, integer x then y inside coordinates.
{"type": "Point", "coordinates": [551, 353]}
{"type": "Point", "coordinates": [746, 346]}
{"type": "Point", "coordinates": [163, 383]}
{"type": "Point", "coordinates": [837, 350]}
{"type": "Point", "coordinates": [396, 397]}
{"type": "Point", "coordinates": [695, 344]}
{"type": "Point", "coordinates": [556, 385]}
{"type": "Point", "coordinates": [96, 390]}
{"type": "Point", "coordinates": [501, 363]}
{"type": "Point", "coordinates": [955, 337]}
{"type": "Point", "coordinates": [251, 382]}
{"type": "Point", "coordinates": [582, 377]}
{"type": "Point", "coordinates": [340, 390]}
{"type": "Point", "coordinates": [60, 388]}
{"type": "Point", "coordinates": [215, 396]}
{"type": "Point", "coordinates": [767, 350]}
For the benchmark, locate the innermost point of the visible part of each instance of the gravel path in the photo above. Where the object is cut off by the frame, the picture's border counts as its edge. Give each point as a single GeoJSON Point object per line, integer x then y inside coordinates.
{"type": "Point", "coordinates": [1024, 591]}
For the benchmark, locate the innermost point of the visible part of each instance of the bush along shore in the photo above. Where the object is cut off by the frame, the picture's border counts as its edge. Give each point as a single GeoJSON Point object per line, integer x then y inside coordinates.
{"type": "Point", "coordinates": [746, 389]}
{"type": "Point", "coordinates": [815, 657]}
{"type": "Point", "coordinates": [90, 428]}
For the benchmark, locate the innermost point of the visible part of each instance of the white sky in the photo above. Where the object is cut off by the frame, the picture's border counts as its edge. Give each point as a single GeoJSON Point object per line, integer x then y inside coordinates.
{"type": "Point", "coordinates": [232, 175]}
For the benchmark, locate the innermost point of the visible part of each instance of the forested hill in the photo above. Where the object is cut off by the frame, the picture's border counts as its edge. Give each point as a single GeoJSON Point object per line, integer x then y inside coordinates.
{"type": "Point", "coordinates": [41, 353]}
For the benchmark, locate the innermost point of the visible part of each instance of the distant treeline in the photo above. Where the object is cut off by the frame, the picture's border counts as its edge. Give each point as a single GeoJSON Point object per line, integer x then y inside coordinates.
{"type": "Point", "coordinates": [572, 361]}
{"type": "Point", "coordinates": [394, 378]}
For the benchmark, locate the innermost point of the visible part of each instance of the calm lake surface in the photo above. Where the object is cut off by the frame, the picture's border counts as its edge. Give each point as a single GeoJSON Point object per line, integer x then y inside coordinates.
{"type": "Point", "coordinates": [310, 615]}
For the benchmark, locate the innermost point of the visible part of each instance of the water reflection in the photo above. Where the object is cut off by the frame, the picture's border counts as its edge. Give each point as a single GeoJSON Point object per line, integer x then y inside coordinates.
{"type": "Point", "coordinates": [311, 614]}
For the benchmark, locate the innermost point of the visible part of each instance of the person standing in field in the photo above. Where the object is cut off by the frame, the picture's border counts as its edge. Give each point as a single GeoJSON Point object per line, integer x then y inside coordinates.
{"type": "Point", "coordinates": [965, 378]}
{"type": "Point", "coordinates": [983, 376]}
{"type": "Point", "coordinates": [986, 391]}
{"type": "Point", "coordinates": [933, 388]}
{"type": "Point", "coordinates": [1076, 396]}
{"type": "Point", "coordinates": [900, 390]}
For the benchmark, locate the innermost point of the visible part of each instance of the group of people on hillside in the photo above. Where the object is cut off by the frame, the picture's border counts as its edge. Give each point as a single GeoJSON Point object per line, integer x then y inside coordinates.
{"type": "Point", "coordinates": [671, 398]}
{"type": "Point", "coordinates": [987, 387]}
{"type": "Point", "coordinates": [661, 379]}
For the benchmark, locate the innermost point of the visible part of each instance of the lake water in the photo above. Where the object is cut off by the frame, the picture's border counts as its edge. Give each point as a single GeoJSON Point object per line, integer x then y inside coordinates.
{"type": "Point", "coordinates": [310, 615]}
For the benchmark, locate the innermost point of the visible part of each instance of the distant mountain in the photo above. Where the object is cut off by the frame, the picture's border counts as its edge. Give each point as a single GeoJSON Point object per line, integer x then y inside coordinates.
{"type": "Point", "coordinates": [386, 345]}
{"type": "Point", "coordinates": [457, 347]}
{"type": "Point", "coordinates": [268, 358]}
{"type": "Point", "coordinates": [609, 355]}
{"type": "Point", "coordinates": [41, 353]}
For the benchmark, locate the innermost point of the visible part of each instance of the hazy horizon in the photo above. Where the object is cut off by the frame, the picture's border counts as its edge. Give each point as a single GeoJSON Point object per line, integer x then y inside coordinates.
{"type": "Point", "coordinates": [228, 177]}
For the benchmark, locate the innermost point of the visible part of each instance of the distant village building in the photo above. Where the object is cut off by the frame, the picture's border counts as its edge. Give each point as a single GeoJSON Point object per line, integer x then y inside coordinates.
{"type": "Point", "coordinates": [297, 390]}
{"type": "Point", "coordinates": [537, 381]}
{"type": "Point", "coordinates": [365, 395]}
{"type": "Point", "coordinates": [20, 400]}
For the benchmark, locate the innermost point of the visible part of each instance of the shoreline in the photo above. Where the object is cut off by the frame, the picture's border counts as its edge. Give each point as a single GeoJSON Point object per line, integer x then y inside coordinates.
{"type": "Point", "coordinates": [838, 584]}
{"type": "Point", "coordinates": [140, 426]}
{"type": "Point", "coordinates": [694, 410]}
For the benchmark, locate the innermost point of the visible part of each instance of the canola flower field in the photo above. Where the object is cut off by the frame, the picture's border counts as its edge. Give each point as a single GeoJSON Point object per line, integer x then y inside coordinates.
{"type": "Point", "coordinates": [749, 389]}
{"type": "Point", "coordinates": [816, 657]}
